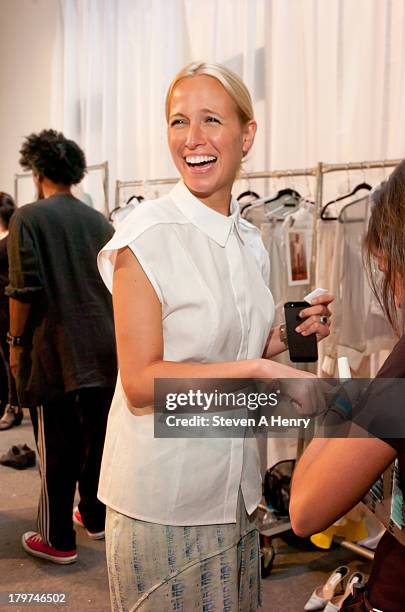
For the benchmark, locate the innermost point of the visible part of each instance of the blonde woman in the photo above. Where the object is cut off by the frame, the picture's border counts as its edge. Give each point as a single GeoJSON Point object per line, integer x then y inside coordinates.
{"type": "Point", "coordinates": [188, 277]}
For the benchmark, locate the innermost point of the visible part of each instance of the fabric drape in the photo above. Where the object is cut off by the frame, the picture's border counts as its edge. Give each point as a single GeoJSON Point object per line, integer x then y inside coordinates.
{"type": "Point", "coordinates": [327, 78]}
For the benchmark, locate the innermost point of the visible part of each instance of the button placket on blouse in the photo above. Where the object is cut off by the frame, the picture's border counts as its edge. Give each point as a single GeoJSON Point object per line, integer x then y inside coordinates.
{"type": "Point", "coordinates": [235, 261]}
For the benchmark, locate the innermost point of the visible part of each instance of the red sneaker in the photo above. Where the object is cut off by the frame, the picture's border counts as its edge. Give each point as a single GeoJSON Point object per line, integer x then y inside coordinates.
{"type": "Point", "coordinates": [77, 519]}
{"type": "Point", "coordinates": [34, 545]}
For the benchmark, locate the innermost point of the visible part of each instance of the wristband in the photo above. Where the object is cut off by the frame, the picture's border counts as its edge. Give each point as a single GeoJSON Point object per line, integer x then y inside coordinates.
{"type": "Point", "coordinates": [15, 340]}
{"type": "Point", "coordinates": [283, 334]}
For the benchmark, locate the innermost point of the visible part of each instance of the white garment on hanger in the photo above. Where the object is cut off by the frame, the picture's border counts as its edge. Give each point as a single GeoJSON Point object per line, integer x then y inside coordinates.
{"type": "Point", "coordinates": [359, 327]}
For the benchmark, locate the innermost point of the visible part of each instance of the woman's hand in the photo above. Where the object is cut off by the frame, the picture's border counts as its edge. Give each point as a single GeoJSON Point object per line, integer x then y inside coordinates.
{"type": "Point", "coordinates": [313, 324]}
{"type": "Point", "coordinates": [316, 317]}
{"type": "Point", "coordinates": [272, 369]}
{"type": "Point", "coordinates": [307, 392]}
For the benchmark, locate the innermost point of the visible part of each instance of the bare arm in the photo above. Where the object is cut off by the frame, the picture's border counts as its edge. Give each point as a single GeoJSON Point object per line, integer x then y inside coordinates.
{"type": "Point", "coordinates": [139, 334]}
{"type": "Point", "coordinates": [332, 477]}
{"type": "Point", "coordinates": [19, 312]}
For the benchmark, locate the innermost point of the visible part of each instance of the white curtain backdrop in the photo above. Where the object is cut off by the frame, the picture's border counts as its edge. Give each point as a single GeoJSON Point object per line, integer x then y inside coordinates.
{"type": "Point", "coordinates": [327, 77]}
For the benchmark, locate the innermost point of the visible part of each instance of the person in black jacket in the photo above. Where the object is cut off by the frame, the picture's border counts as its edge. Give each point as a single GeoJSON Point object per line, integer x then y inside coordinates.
{"type": "Point", "coordinates": [12, 412]}
{"type": "Point", "coordinates": [62, 344]}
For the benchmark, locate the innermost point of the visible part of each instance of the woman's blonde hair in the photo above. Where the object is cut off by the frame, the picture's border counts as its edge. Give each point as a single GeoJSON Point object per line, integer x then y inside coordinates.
{"type": "Point", "coordinates": [385, 237]}
{"type": "Point", "coordinates": [228, 79]}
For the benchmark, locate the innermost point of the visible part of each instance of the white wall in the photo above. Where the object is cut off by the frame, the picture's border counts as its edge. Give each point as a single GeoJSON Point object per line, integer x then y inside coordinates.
{"type": "Point", "coordinates": [27, 36]}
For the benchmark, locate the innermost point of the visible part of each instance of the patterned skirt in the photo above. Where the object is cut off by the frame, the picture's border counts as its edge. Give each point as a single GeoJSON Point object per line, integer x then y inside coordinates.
{"type": "Point", "coordinates": [204, 568]}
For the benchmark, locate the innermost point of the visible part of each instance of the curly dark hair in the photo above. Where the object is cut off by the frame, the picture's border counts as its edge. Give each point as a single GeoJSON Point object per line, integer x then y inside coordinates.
{"type": "Point", "coordinates": [7, 207]}
{"type": "Point", "coordinates": [49, 154]}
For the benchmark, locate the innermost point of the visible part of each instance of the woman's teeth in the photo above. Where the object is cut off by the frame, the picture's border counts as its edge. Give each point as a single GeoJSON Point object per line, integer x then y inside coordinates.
{"type": "Point", "coordinates": [200, 160]}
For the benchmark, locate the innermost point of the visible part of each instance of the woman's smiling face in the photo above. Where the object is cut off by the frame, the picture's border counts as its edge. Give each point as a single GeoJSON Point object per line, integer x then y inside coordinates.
{"type": "Point", "coordinates": [207, 139]}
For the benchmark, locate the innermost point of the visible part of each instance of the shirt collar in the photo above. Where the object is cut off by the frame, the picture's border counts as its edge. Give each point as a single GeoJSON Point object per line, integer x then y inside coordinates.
{"type": "Point", "coordinates": [212, 223]}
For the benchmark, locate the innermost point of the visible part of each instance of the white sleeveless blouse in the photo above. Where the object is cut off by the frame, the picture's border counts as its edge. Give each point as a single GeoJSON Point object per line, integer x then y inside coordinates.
{"type": "Point", "coordinates": [210, 273]}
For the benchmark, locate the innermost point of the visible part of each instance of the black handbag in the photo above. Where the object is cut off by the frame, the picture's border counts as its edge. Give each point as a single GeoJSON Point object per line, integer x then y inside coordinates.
{"type": "Point", "coordinates": [277, 486]}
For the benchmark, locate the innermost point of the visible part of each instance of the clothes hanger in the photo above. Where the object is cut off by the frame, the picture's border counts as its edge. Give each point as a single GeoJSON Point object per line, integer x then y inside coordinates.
{"type": "Point", "coordinates": [303, 203]}
{"type": "Point", "coordinates": [284, 192]}
{"type": "Point", "coordinates": [358, 187]}
{"type": "Point", "coordinates": [341, 218]}
{"type": "Point", "coordinates": [288, 208]}
{"type": "Point", "coordinates": [246, 193]}
{"type": "Point", "coordinates": [254, 204]}
{"type": "Point", "coordinates": [363, 199]}
{"type": "Point", "coordinates": [139, 199]}
{"type": "Point", "coordinates": [296, 197]}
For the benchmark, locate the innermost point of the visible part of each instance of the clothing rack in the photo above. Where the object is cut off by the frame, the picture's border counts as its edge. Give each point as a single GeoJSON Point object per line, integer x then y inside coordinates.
{"type": "Point", "coordinates": [103, 166]}
{"type": "Point", "coordinates": [364, 166]}
{"type": "Point", "coordinates": [275, 174]}
{"type": "Point", "coordinates": [318, 172]}
{"type": "Point", "coordinates": [140, 183]}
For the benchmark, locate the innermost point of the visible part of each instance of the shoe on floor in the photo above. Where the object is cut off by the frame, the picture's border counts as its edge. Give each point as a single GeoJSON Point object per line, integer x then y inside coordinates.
{"type": "Point", "coordinates": [34, 545]}
{"type": "Point", "coordinates": [77, 519]}
{"type": "Point", "coordinates": [11, 418]}
{"type": "Point", "coordinates": [357, 579]}
{"type": "Point", "coordinates": [324, 593]}
{"type": "Point", "coordinates": [19, 457]}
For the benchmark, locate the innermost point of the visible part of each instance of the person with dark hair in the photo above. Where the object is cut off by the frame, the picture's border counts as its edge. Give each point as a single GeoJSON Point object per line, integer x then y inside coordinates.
{"type": "Point", "coordinates": [333, 475]}
{"type": "Point", "coordinates": [52, 156]}
{"type": "Point", "coordinates": [12, 414]}
{"type": "Point", "coordinates": [62, 344]}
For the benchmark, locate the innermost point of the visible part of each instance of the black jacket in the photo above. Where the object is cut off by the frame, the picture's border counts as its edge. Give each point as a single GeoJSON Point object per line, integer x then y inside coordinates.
{"type": "Point", "coordinates": [52, 249]}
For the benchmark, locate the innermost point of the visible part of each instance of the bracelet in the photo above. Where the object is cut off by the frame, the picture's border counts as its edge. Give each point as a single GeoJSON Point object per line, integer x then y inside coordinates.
{"type": "Point", "coordinates": [283, 334]}
{"type": "Point", "coordinates": [14, 340]}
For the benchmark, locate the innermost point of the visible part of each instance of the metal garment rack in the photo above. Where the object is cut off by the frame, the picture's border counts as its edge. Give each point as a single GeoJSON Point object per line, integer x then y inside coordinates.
{"type": "Point", "coordinates": [315, 171]}
{"type": "Point", "coordinates": [140, 183]}
{"type": "Point", "coordinates": [318, 172]}
{"type": "Point", "coordinates": [324, 168]}
{"type": "Point", "coordinates": [102, 166]}
{"type": "Point", "coordinates": [275, 174]}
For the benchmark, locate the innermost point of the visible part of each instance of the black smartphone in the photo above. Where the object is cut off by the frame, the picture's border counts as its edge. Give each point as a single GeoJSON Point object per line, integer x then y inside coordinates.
{"type": "Point", "coordinates": [302, 349]}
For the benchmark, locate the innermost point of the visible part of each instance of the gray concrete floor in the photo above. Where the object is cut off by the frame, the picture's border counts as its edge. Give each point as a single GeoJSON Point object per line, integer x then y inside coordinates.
{"type": "Point", "coordinates": [296, 572]}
